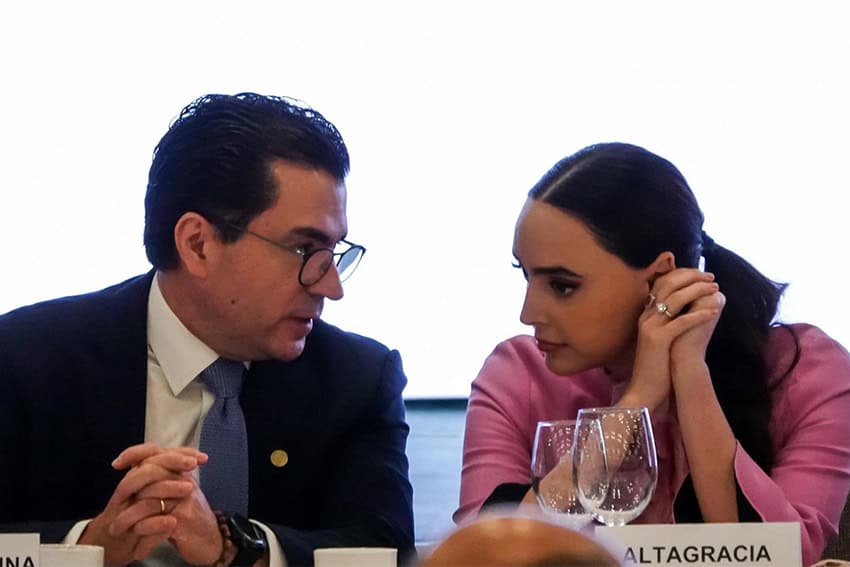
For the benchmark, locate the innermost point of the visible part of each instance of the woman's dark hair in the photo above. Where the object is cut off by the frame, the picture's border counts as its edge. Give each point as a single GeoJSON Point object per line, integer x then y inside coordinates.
{"type": "Point", "coordinates": [214, 160]}
{"type": "Point", "coordinates": [639, 205]}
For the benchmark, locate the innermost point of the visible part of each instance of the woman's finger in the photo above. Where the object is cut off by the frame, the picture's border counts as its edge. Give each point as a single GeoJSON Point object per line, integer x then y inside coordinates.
{"type": "Point", "coordinates": [680, 299]}
{"type": "Point", "coordinates": [678, 279]}
{"type": "Point", "coordinates": [687, 321]}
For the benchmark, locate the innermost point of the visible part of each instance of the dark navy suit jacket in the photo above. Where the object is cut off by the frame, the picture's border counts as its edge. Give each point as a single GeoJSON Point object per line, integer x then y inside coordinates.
{"type": "Point", "coordinates": [73, 375]}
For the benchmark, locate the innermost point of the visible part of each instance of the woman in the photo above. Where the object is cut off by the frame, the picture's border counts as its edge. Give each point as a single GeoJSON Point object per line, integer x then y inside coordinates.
{"type": "Point", "coordinates": [749, 416]}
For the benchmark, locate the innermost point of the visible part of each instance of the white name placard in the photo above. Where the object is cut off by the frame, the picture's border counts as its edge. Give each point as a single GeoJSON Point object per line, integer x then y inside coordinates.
{"type": "Point", "coordinates": [20, 550]}
{"type": "Point", "coordinates": [756, 544]}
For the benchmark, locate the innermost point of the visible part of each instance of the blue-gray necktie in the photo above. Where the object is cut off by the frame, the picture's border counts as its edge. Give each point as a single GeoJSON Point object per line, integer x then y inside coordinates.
{"type": "Point", "coordinates": [224, 478]}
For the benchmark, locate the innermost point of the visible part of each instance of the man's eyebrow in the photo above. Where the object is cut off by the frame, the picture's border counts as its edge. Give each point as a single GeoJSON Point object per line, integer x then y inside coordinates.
{"type": "Point", "coordinates": [554, 271]}
{"type": "Point", "coordinates": [312, 233]}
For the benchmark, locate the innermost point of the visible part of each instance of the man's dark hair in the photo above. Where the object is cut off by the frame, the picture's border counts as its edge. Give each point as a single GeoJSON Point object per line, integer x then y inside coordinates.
{"type": "Point", "coordinates": [214, 160]}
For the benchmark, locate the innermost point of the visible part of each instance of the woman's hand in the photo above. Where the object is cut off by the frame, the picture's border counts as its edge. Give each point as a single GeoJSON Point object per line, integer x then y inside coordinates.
{"type": "Point", "coordinates": [709, 442]}
{"type": "Point", "coordinates": [677, 306]}
{"type": "Point", "coordinates": [689, 348]}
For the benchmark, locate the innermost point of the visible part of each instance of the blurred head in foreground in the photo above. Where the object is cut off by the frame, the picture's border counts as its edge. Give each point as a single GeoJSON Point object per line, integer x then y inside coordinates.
{"type": "Point", "coordinates": [518, 542]}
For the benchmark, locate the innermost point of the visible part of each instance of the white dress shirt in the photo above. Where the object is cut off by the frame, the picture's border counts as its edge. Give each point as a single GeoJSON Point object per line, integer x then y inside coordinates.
{"type": "Point", "coordinates": [177, 402]}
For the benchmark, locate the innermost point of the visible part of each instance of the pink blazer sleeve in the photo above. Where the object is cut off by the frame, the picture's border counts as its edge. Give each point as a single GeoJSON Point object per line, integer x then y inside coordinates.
{"type": "Point", "coordinates": [811, 434]}
{"type": "Point", "coordinates": [496, 446]}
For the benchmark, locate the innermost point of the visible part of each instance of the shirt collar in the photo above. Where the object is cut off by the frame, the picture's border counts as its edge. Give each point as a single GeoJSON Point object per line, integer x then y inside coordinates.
{"type": "Point", "coordinates": [180, 354]}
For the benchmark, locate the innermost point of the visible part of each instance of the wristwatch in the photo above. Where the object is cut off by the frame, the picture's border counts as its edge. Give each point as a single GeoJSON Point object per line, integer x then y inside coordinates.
{"type": "Point", "coordinates": [248, 539]}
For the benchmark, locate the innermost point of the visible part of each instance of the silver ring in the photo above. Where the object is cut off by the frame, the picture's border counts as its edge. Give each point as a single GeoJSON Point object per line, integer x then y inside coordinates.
{"type": "Point", "coordinates": [661, 307]}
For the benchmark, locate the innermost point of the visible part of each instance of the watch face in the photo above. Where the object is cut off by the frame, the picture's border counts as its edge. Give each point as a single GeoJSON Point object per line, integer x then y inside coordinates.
{"type": "Point", "coordinates": [249, 539]}
{"type": "Point", "coordinates": [248, 530]}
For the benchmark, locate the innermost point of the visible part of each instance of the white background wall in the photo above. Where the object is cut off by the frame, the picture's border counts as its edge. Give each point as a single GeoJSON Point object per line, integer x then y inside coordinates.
{"type": "Point", "coordinates": [452, 110]}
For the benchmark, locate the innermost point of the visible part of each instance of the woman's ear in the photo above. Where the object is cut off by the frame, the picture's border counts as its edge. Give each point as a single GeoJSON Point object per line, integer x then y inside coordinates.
{"type": "Point", "coordinates": [663, 263]}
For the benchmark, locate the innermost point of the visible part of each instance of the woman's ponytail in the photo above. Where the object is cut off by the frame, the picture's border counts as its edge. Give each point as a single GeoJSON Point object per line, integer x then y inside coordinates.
{"type": "Point", "coordinates": [735, 354]}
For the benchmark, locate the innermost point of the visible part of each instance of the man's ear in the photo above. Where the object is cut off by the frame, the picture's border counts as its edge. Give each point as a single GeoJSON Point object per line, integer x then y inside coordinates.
{"type": "Point", "coordinates": [663, 263]}
{"type": "Point", "coordinates": [197, 242]}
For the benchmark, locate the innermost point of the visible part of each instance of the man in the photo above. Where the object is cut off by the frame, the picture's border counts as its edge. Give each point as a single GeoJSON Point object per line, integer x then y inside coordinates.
{"type": "Point", "coordinates": [115, 429]}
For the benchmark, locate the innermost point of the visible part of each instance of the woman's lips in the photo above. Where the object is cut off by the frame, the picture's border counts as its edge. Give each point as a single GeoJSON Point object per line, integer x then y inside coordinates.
{"type": "Point", "coordinates": [546, 346]}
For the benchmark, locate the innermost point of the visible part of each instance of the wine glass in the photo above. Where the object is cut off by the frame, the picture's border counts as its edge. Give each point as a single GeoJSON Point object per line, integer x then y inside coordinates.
{"type": "Point", "coordinates": [614, 463]}
{"type": "Point", "coordinates": [552, 474]}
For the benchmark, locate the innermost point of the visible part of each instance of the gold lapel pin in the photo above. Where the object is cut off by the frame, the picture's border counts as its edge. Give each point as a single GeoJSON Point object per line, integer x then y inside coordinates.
{"type": "Point", "coordinates": [279, 458]}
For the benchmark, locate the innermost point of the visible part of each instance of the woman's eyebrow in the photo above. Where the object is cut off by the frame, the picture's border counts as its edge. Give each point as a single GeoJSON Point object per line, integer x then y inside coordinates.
{"type": "Point", "coordinates": [554, 271]}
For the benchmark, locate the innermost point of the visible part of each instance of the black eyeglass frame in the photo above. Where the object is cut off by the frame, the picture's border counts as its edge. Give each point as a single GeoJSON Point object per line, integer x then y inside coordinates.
{"type": "Point", "coordinates": [335, 258]}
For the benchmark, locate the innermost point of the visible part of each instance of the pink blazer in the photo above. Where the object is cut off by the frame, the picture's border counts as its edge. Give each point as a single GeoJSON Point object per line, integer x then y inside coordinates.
{"type": "Point", "coordinates": [810, 430]}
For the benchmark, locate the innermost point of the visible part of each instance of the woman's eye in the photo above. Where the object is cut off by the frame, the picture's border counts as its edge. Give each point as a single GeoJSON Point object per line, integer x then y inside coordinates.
{"type": "Point", "coordinates": [561, 287]}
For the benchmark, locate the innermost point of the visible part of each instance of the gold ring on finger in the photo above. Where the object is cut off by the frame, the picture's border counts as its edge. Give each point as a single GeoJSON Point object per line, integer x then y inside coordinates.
{"type": "Point", "coordinates": [161, 506]}
{"type": "Point", "coordinates": [661, 307]}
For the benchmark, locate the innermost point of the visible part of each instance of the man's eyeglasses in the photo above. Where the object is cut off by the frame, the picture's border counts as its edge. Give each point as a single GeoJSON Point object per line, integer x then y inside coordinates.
{"type": "Point", "coordinates": [316, 263]}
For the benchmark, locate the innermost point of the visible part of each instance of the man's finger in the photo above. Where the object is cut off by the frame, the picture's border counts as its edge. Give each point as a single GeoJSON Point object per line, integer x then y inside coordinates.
{"type": "Point", "coordinates": [134, 455]}
{"type": "Point", "coordinates": [173, 461]}
{"type": "Point", "coordinates": [134, 514]}
{"type": "Point", "coordinates": [138, 478]}
{"type": "Point", "coordinates": [162, 526]}
{"type": "Point", "coordinates": [167, 489]}
{"type": "Point", "coordinates": [189, 452]}
{"type": "Point", "coordinates": [146, 545]}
